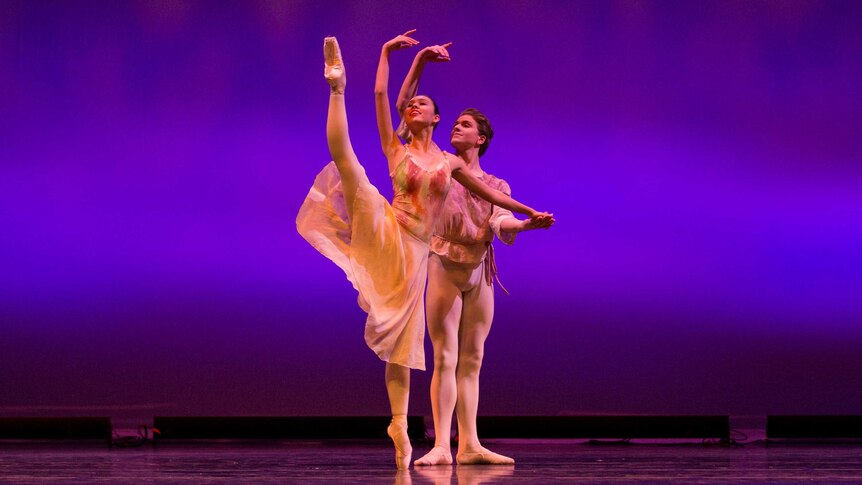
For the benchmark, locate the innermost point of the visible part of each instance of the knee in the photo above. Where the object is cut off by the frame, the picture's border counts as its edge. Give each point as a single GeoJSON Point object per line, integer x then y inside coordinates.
{"type": "Point", "coordinates": [470, 364]}
{"type": "Point", "coordinates": [445, 361]}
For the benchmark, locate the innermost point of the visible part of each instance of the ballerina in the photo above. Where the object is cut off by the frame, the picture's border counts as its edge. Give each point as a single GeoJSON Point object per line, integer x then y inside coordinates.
{"type": "Point", "coordinates": [383, 247]}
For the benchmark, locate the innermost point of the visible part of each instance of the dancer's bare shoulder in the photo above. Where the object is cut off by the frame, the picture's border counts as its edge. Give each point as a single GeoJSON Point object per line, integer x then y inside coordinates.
{"type": "Point", "coordinates": [455, 162]}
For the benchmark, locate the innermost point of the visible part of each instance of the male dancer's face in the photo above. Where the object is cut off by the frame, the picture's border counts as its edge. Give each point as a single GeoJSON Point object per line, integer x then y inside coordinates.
{"type": "Point", "coordinates": [465, 134]}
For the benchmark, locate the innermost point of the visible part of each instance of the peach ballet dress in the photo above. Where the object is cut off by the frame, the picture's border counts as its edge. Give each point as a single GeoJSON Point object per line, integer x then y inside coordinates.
{"type": "Point", "coordinates": [383, 249]}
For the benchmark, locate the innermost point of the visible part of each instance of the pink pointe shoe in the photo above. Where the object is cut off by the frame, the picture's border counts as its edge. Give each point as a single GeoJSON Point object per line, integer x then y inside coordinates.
{"type": "Point", "coordinates": [403, 450]}
{"type": "Point", "coordinates": [333, 65]}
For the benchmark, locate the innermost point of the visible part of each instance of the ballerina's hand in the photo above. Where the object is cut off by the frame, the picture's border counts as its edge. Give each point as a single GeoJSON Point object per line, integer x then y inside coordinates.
{"type": "Point", "coordinates": [435, 53]}
{"type": "Point", "coordinates": [400, 42]}
{"type": "Point", "coordinates": [540, 220]}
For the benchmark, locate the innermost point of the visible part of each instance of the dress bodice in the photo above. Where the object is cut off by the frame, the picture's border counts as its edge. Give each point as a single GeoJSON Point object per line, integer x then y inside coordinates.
{"type": "Point", "coordinates": [419, 193]}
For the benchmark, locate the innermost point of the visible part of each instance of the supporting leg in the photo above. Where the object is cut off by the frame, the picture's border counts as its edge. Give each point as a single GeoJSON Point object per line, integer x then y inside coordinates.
{"type": "Point", "coordinates": [443, 310]}
{"type": "Point", "coordinates": [476, 321]}
{"type": "Point", "coordinates": [398, 388]}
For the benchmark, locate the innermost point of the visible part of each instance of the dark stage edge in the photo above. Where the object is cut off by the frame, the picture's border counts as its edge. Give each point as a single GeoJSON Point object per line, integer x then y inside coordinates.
{"type": "Point", "coordinates": [369, 427]}
{"type": "Point", "coordinates": [56, 428]}
{"type": "Point", "coordinates": [280, 427]}
{"type": "Point", "coordinates": [372, 462]}
{"type": "Point", "coordinates": [802, 427]}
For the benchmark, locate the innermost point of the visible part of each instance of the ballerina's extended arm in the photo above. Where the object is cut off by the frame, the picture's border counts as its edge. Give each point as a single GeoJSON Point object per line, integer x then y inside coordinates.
{"type": "Point", "coordinates": [388, 139]}
{"type": "Point", "coordinates": [473, 184]}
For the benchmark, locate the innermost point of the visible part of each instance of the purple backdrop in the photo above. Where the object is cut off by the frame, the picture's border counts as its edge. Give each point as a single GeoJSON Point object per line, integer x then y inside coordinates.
{"type": "Point", "coordinates": [703, 160]}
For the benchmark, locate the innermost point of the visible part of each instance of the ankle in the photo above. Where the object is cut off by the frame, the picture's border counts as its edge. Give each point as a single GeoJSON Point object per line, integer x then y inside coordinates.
{"type": "Point", "coordinates": [471, 447]}
{"type": "Point", "coordinates": [397, 426]}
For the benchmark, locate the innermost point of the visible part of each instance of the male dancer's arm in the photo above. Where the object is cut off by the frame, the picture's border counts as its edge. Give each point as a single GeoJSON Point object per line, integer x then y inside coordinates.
{"type": "Point", "coordinates": [434, 53]}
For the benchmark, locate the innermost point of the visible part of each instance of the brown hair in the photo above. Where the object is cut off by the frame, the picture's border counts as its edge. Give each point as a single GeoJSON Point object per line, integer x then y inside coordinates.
{"type": "Point", "coordinates": [482, 125]}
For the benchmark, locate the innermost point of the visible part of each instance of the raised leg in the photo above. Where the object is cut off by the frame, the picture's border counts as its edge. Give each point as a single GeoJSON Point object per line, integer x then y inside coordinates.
{"type": "Point", "coordinates": [337, 136]}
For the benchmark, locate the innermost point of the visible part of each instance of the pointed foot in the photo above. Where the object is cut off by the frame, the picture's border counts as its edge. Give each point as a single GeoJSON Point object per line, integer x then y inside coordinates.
{"type": "Point", "coordinates": [403, 450]}
{"type": "Point", "coordinates": [333, 65]}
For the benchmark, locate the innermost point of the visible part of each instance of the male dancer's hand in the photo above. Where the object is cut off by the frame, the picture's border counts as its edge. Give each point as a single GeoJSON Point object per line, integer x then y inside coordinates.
{"type": "Point", "coordinates": [435, 53]}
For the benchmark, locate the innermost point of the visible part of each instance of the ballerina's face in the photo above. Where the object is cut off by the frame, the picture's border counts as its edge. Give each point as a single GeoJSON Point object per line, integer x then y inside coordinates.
{"type": "Point", "coordinates": [465, 133]}
{"type": "Point", "coordinates": [421, 110]}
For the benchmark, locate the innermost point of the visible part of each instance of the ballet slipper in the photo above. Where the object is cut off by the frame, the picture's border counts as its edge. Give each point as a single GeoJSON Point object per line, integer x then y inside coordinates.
{"type": "Point", "coordinates": [403, 451]}
{"type": "Point", "coordinates": [333, 69]}
{"type": "Point", "coordinates": [483, 457]}
{"type": "Point", "coordinates": [437, 456]}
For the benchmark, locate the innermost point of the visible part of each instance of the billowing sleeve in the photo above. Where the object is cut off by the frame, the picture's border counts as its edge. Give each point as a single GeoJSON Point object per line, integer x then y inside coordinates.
{"type": "Point", "coordinates": [499, 214]}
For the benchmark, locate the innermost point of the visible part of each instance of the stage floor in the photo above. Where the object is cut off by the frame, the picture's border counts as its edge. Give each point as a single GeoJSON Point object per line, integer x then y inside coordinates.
{"type": "Point", "coordinates": [372, 462]}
